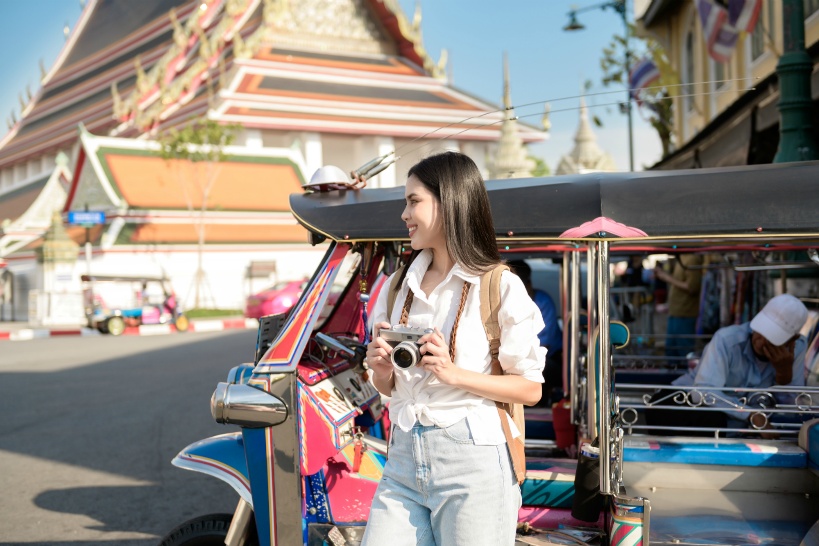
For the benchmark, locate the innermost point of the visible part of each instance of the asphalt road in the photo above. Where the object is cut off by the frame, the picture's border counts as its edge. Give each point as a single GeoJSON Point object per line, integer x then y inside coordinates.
{"type": "Point", "coordinates": [88, 430]}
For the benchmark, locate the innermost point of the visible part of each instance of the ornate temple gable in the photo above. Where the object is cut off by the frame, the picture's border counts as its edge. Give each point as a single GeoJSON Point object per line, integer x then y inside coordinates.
{"type": "Point", "coordinates": [338, 26]}
{"type": "Point", "coordinates": [195, 56]}
{"type": "Point", "coordinates": [344, 27]}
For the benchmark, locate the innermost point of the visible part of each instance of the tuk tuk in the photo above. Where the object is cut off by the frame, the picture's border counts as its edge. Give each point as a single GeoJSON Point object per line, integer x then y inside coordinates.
{"type": "Point", "coordinates": [114, 303]}
{"type": "Point", "coordinates": [313, 430]}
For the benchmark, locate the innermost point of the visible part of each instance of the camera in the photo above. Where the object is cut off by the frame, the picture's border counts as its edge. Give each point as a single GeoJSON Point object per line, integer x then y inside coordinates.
{"type": "Point", "coordinates": [404, 342]}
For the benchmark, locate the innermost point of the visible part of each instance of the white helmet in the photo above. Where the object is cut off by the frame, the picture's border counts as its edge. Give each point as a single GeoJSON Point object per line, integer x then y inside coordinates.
{"type": "Point", "coordinates": [329, 174]}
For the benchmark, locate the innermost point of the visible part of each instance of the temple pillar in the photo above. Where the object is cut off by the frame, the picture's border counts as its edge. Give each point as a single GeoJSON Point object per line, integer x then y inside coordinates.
{"type": "Point", "coordinates": [313, 152]}
{"type": "Point", "coordinates": [57, 299]}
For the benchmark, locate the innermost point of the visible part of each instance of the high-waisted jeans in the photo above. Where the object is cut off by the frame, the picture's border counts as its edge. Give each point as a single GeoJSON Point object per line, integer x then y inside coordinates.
{"type": "Point", "coordinates": [440, 489]}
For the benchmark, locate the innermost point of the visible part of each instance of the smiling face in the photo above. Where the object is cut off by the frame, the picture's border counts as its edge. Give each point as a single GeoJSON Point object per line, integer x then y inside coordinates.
{"type": "Point", "coordinates": [422, 215]}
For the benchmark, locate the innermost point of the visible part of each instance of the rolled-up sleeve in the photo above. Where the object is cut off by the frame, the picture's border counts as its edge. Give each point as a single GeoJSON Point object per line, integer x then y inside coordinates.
{"type": "Point", "coordinates": [378, 312]}
{"type": "Point", "coordinates": [520, 351]}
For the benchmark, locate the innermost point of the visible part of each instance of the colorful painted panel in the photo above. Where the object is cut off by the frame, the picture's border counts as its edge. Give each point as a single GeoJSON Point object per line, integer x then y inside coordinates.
{"type": "Point", "coordinates": [722, 452]}
{"type": "Point", "coordinates": [553, 518]}
{"type": "Point", "coordinates": [283, 355]}
{"type": "Point", "coordinates": [319, 423]}
{"type": "Point", "coordinates": [626, 530]}
{"type": "Point", "coordinates": [328, 409]}
{"type": "Point", "coordinates": [350, 493]}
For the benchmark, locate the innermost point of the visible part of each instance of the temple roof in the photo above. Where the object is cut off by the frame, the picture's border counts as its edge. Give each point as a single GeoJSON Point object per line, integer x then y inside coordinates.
{"type": "Point", "coordinates": [353, 66]}
{"type": "Point", "coordinates": [144, 180]}
{"type": "Point", "coordinates": [26, 212]}
{"type": "Point", "coordinates": [151, 200]}
{"type": "Point", "coordinates": [130, 175]}
{"type": "Point", "coordinates": [18, 201]}
{"type": "Point", "coordinates": [99, 52]}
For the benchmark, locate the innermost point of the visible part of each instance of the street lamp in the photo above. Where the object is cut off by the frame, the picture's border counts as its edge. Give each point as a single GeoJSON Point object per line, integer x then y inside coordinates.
{"type": "Point", "coordinates": [620, 7]}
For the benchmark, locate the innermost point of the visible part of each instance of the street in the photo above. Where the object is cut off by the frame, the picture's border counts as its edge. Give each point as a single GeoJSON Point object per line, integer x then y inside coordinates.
{"type": "Point", "coordinates": [90, 426]}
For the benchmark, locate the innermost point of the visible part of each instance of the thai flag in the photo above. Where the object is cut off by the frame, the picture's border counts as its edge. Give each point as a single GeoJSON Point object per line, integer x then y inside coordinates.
{"type": "Point", "coordinates": [712, 17]}
{"type": "Point", "coordinates": [720, 36]}
{"type": "Point", "coordinates": [743, 14]}
{"type": "Point", "coordinates": [641, 76]}
{"type": "Point", "coordinates": [722, 49]}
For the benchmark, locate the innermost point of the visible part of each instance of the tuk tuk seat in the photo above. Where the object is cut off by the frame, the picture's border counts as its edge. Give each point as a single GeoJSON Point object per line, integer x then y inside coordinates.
{"type": "Point", "coordinates": [709, 451]}
{"type": "Point", "coordinates": [549, 482]}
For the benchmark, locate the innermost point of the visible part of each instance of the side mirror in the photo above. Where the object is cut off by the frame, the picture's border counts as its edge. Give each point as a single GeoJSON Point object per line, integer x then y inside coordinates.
{"type": "Point", "coordinates": [246, 406]}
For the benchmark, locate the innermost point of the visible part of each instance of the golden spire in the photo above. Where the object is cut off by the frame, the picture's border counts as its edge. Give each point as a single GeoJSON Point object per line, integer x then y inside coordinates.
{"type": "Point", "coordinates": [507, 95]}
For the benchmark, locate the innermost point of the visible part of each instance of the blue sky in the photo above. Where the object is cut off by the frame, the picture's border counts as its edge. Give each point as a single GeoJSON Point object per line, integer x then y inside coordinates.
{"type": "Point", "coordinates": [545, 62]}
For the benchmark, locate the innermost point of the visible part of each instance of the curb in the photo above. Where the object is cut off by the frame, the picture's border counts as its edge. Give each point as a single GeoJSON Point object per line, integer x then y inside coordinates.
{"type": "Point", "coordinates": [209, 325]}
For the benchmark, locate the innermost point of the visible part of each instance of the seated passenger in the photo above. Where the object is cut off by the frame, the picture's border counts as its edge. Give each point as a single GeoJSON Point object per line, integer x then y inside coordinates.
{"type": "Point", "coordinates": [764, 352]}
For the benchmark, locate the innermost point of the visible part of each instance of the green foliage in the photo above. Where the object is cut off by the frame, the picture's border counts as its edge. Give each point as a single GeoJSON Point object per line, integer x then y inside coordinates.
{"type": "Point", "coordinates": [201, 140]}
{"type": "Point", "coordinates": [541, 168]}
{"type": "Point", "coordinates": [212, 313]}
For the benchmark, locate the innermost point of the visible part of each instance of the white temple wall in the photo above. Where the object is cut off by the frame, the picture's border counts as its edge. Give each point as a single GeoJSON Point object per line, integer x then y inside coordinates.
{"type": "Point", "coordinates": [226, 270]}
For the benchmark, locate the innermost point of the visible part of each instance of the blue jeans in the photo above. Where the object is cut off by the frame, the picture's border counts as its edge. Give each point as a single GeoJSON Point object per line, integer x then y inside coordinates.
{"type": "Point", "coordinates": [440, 489]}
{"type": "Point", "coordinates": [678, 326]}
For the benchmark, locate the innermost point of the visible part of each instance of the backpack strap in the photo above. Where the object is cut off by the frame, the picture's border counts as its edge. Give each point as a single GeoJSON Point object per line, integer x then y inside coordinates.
{"type": "Point", "coordinates": [490, 299]}
{"type": "Point", "coordinates": [392, 293]}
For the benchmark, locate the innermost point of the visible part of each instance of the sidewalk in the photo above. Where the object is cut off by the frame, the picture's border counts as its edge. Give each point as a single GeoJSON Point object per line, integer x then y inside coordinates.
{"type": "Point", "coordinates": [20, 331]}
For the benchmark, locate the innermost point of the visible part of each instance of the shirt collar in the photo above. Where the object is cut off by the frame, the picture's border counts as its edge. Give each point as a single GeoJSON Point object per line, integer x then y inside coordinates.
{"type": "Point", "coordinates": [421, 263]}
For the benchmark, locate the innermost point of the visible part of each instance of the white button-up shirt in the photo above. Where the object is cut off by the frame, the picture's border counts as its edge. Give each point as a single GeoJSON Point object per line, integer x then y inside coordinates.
{"type": "Point", "coordinates": [418, 395]}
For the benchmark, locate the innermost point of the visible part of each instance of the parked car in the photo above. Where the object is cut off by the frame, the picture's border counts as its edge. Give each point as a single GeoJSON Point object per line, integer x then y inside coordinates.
{"type": "Point", "coordinates": [276, 299]}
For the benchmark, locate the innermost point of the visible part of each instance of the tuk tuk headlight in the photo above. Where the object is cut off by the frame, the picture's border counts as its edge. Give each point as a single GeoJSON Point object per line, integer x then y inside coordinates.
{"type": "Point", "coordinates": [246, 406]}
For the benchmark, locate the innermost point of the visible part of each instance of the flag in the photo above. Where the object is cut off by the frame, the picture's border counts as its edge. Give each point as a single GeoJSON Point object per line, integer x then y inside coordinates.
{"type": "Point", "coordinates": [712, 17]}
{"type": "Point", "coordinates": [743, 14]}
{"type": "Point", "coordinates": [720, 36]}
{"type": "Point", "coordinates": [641, 76]}
{"type": "Point", "coordinates": [724, 45]}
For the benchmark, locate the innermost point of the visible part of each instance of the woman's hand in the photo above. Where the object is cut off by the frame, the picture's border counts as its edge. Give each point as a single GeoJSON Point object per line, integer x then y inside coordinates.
{"type": "Point", "coordinates": [378, 354]}
{"type": "Point", "coordinates": [436, 359]}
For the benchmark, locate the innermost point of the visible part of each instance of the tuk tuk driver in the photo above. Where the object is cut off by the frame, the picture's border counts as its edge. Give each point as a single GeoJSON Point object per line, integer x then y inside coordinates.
{"type": "Point", "coordinates": [766, 351]}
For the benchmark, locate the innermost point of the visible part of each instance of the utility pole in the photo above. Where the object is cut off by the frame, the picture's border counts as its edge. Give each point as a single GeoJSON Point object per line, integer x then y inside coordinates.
{"type": "Point", "coordinates": [796, 137]}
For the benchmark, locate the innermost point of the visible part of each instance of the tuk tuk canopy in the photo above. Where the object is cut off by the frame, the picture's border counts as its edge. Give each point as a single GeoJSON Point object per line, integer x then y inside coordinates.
{"type": "Point", "coordinates": [760, 201]}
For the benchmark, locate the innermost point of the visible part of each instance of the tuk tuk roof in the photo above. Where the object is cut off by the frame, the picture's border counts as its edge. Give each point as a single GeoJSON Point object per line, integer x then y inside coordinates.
{"type": "Point", "coordinates": [758, 201]}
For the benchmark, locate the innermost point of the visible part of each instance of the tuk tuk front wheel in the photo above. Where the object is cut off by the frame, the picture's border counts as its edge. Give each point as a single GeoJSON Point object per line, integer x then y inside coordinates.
{"type": "Point", "coordinates": [115, 325]}
{"type": "Point", "coordinates": [209, 530]}
{"type": "Point", "coordinates": [181, 323]}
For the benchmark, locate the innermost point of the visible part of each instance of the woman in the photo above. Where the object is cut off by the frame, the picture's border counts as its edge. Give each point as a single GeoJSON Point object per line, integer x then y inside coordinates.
{"type": "Point", "coordinates": [448, 479]}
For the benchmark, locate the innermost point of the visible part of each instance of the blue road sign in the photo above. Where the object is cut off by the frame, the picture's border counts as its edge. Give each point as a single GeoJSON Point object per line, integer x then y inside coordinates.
{"type": "Point", "coordinates": [86, 217]}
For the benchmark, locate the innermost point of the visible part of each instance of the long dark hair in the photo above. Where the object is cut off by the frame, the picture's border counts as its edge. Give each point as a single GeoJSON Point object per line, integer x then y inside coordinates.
{"type": "Point", "coordinates": [457, 183]}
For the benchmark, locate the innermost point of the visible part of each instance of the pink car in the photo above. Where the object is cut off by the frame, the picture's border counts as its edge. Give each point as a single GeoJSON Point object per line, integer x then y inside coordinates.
{"type": "Point", "coordinates": [279, 298]}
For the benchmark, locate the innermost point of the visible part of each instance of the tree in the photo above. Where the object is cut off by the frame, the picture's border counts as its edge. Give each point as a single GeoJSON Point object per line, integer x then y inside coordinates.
{"type": "Point", "coordinates": [541, 168]}
{"type": "Point", "coordinates": [656, 102]}
{"type": "Point", "coordinates": [200, 144]}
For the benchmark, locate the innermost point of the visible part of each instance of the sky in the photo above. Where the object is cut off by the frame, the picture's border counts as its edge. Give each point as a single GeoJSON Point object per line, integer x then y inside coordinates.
{"type": "Point", "coordinates": [545, 62]}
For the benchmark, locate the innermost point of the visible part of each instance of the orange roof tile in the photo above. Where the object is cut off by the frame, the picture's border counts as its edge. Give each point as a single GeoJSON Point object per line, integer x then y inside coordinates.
{"type": "Point", "coordinates": [389, 65]}
{"type": "Point", "coordinates": [253, 184]}
{"type": "Point", "coordinates": [216, 233]}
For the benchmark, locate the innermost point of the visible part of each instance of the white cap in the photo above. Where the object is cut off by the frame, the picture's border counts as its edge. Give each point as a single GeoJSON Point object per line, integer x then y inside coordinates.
{"type": "Point", "coordinates": [329, 174]}
{"type": "Point", "coordinates": [780, 319]}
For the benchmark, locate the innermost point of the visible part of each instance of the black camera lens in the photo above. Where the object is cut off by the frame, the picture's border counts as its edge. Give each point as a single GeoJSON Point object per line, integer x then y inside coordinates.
{"type": "Point", "coordinates": [402, 358]}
